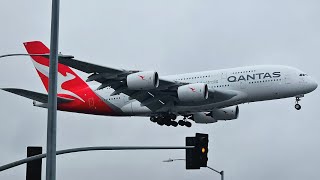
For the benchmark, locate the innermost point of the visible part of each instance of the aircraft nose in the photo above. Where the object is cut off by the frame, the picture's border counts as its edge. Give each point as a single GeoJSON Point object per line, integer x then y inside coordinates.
{"type": "Point", "coordinates": [313, 85]}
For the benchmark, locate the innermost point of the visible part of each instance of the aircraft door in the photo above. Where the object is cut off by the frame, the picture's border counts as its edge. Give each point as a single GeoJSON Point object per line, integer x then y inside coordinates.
{"type": "Point", "coordinates": [243, 84]}
{"type": "Point", "coordinates": [224, 76]}
{"type": "Point", "coordinates": [287, 78]}
{"type": "Point", "coordinates": [91, 103]}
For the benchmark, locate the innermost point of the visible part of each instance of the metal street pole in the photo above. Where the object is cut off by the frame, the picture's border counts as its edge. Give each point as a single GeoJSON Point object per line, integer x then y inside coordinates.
{"type": "Point", "coordinates": [220, 172]}
{"type": "Point", "coordinates": [98, 148]}
{"type": "Point", "coordinates": [222, 175]}
{"type": "Point", "coordinates": [52, 93]}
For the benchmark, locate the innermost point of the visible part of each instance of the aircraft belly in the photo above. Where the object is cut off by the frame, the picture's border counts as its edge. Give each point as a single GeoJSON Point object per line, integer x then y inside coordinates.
{"type": "Point", "coordinates": [261, 93]}
{"type": "Point", "coordinates": [136, 109]}
{"type": "Point", "coordinates": [271, 91]}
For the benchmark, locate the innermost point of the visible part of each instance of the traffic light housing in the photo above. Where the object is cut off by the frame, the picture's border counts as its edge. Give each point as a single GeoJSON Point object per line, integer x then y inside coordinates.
{"type": "Point", "coordinates": [202, 148]}
{"type": "Point", "coordinates": [34, 167]}
{"type": "Point", "coordinates": [198, 156]}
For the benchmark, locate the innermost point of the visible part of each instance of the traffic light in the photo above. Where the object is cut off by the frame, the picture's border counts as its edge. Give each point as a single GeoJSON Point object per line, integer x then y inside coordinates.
{"type": "Point", "coordinates": [202, 148]}
{"type": "Point", "coordinates": [34, 167]}
{"type": "Point", "coordinates": [198, 156]}
{"type": "Point", "coordinates": [192, 159]}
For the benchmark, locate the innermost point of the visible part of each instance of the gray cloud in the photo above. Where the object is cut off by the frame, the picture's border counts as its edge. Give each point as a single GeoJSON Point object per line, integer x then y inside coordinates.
{"type": "Point", "coordinates": [270, 140]}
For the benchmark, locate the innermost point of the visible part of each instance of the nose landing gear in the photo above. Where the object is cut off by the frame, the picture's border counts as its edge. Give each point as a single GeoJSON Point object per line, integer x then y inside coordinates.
{"type": "Point", "coordinates": [297, 105]}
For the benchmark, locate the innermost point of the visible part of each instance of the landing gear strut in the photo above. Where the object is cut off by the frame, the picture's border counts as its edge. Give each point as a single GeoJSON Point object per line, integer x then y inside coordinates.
{"type": "Point", "coordinates": [297, 105]}
{"type": "Point", "coordinates": [169, 120]}
{"type": "Point", "coordinates": [184, 122]}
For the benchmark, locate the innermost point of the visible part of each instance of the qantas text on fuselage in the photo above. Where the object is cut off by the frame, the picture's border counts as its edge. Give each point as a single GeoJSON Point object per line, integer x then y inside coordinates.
{"type": "Point", "coordinates": [256, 76]}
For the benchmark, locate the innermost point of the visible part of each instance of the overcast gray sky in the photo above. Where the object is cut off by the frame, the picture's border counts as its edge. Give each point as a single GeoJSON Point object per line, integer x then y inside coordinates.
{"type": "Point", "coordinates": [270, 140]}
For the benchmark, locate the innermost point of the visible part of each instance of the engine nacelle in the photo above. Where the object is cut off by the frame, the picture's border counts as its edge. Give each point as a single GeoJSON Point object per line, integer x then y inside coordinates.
{"type": "Point", "coordinates": [193, 92]}
{"type": "Point", "coordinates": [228, 113]}
{"type": "Point", "coordinates": [143, 80]}
{"type": "Point", "coordinates": [203, 118]}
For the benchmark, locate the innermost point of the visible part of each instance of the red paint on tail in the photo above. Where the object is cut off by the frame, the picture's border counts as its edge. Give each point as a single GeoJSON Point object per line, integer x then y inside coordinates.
{"type": "Point", "coordinates": [70, 85]}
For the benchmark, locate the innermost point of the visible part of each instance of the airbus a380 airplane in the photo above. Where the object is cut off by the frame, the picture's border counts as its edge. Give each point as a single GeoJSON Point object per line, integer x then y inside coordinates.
{"type": "Point", "coordinates": [203, 97]}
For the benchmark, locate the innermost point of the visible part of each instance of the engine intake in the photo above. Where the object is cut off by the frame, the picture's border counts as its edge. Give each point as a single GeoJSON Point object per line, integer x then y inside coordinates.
{"type": "Point", "coordinates": [193, 92]}
{"type": "Point", "coordinates": [143, 80]}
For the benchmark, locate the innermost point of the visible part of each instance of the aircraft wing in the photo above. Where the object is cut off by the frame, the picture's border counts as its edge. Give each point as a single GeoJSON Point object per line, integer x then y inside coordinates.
{"type": "Point", "coordinates": [43, 98]}
{"type": "Point", "coordinates": [165, 96]}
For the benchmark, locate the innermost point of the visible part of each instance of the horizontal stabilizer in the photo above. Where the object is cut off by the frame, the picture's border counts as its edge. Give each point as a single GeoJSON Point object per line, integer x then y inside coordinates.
{"type": "Point", "coordinates": [43, 98]}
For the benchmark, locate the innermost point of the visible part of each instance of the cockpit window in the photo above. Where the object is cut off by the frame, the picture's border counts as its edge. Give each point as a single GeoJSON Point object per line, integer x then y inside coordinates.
{"type": "Point", "coordinates": [303, 75]}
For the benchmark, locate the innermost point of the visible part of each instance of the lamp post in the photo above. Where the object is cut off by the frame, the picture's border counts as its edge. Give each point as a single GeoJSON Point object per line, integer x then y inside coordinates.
{"type": "Point", "coordinates": [52, 93]}
{"type": "Point", "coordinates": [220, 172]}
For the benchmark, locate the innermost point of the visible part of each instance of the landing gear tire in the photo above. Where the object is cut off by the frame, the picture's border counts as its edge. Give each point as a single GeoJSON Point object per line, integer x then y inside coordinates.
{"type": "Point", "coordinates": [173, 116]}
{"type": "Point", "coordinates": [181, 122]}
{"type": "Point", "coordinates": [161, 121]}
{"type": "Point", "coordinates": [168, 123]}
{"type": "Point", "coordinates": [188, 124]}
{"type": "Point", "coordinates": [297, 106]}
{"type": "Point", "coordinates": [153, 119]}
{"type": "Point", "coordinates": [174, 123]}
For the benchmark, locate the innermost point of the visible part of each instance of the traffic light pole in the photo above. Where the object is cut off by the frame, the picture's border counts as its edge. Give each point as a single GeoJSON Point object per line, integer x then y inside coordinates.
{"type": "Point", "coordinates": [220, 172]}
{"type": "Point", "coordinates": [52, 93]}
{"type": "Point", "coordinates": [99, 148]}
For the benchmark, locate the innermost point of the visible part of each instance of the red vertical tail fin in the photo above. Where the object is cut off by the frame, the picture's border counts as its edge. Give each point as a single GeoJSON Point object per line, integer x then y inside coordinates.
{"type": "Point", "coordinates": [69, 84]}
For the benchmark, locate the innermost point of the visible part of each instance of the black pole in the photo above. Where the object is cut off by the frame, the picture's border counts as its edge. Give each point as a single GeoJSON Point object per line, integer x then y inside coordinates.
{"type": "Point", "coordinates": [34, 167]}
{"type": "Point", "coordinates": [222, 175]}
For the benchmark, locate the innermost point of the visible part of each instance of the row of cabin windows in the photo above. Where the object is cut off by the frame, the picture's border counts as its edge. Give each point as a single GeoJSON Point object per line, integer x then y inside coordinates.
{"type": "Point", "coordinates": [244, 72]}
{"type": "Point", "coordinates": [226, 85]}
{"type": "Point", "coordinates": [114, 98]}
{"type": "Point", "coordinates": [197, 77]}
{"type": "Point", "coordinates": [193, 78]}
{"type": "Point", "coordinates": [254, 82]}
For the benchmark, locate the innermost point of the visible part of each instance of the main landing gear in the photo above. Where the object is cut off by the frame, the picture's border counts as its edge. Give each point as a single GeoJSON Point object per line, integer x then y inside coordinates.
{"type": "Point", "coordinates": [169, 120]}
{"type": "Point", "coordinates": [184, 122]}
{"type": "Point", "coordinates": [297, 105]}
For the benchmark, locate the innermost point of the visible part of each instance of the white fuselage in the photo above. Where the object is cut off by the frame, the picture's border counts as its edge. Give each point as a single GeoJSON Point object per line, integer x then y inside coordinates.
{"type": "Point", "coordinates": [252, 83]}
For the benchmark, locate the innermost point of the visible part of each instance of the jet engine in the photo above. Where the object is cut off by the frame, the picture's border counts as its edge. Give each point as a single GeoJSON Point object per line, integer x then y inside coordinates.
{"type": "Point", "coordinates": [193, 92]}
{"type": "Point", "coordinates": [143, 80]}
{"type": "Point", "coordinates": [228, 113]}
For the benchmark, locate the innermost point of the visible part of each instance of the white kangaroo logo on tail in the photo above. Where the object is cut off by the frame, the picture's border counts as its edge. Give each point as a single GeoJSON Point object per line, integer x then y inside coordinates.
{"type": "Point", "coordinates": [61, 79]}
